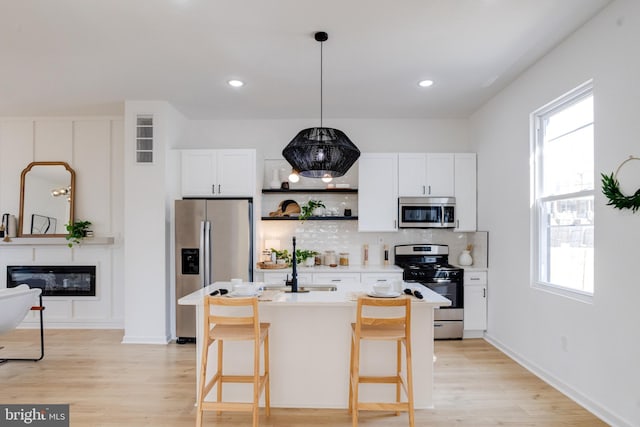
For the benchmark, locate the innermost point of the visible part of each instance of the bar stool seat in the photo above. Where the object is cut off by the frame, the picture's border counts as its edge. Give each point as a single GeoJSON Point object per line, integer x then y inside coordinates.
{"type": "Point", "coordinates": [396, 329]}
{"type": "Point", "coordinates": [221, 326]}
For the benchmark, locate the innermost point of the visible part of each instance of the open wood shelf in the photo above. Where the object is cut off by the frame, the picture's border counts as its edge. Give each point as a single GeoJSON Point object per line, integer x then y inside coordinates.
{"type": "Point", "coordinates": [310, 190]}
{"type": "Point", "coordinates": [311, 218]}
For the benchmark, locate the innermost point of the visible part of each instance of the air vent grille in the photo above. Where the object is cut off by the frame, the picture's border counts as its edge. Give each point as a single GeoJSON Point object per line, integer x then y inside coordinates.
{"type": "Point", "coordinates": [144, 139]}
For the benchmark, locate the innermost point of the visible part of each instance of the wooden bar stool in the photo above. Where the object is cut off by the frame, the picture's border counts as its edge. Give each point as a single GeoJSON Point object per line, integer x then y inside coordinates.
{"type": "Point", "coordinates": [396, 329]}
{"type": "Point", "coordinates": [221, 326]}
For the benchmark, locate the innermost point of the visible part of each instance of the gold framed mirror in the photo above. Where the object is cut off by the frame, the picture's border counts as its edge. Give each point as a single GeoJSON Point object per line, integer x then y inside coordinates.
{"type": "Point", "coordinates": [47, 192]}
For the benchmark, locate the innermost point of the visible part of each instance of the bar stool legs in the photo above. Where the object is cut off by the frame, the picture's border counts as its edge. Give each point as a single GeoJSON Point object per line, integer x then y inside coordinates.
{"type": "Point", "coordinates": [219, 329]}
{"type": "Point", "coordinates": [382, 329]}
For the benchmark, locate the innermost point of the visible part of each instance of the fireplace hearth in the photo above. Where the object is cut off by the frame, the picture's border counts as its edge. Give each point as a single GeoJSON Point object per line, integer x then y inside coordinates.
{"type": "Point", "coordinates": [55, 280]}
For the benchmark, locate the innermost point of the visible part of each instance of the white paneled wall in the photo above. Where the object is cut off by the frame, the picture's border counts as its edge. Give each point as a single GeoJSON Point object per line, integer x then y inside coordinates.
{"type": "Point", "coordinates": [93, 147]}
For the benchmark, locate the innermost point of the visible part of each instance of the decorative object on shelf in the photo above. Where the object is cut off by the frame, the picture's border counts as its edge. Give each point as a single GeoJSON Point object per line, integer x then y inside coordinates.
{"type": "Point", "coordinates": [77, 231]}
{"type": "Point", "coordinates": [286, 208]}
{"type": "Point", "coordinates": [10, 226]}
{"type": "Point", "coordinates": [347, 212]}
{"type": "Point", "coordinates": [283, 257]}
{"type": "Point", "coordinates": [309, 207]}
{"type": "Point", "coordinates": [267, 265]}
{"type": "Point", "coordinates": [344, 259]}
{"type": "Point", "coordinates": [275, 179]}
{"type": "Point", "coordinates": [465, 257]}
{"type": "Point", "coordinates": [306, 257]}
{"type": "Point", "coordinates": [611, 189]}
{"type": "Point", "coordinates": [321, 152]}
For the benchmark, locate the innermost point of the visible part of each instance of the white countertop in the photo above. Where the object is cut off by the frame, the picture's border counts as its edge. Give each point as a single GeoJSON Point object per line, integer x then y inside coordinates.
{"type": "Point", "coordinates": [338, 269]}
{"type": "Point", "coordinates": [345, 295]}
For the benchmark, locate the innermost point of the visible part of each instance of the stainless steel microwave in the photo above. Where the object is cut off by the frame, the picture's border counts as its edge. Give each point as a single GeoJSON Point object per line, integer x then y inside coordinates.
{"type": "Point", "coordinates": [427, 212]}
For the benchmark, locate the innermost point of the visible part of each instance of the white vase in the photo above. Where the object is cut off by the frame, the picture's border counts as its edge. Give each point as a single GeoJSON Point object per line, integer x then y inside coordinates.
{"type": "Point", "coordinates": [275, 179]}
{"type": "Point", "coordinates": [465, 258]}
{"type": "Point", "coordinates": [309, 262]}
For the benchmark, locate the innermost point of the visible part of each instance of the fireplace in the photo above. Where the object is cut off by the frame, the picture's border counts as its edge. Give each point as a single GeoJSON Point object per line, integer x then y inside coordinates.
{"type": "Point", "coordinates": [55, 280]}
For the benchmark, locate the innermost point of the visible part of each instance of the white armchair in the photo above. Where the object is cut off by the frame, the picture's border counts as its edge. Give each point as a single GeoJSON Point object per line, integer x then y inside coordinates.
{"type": "Point", "coordinates": [15, 303]}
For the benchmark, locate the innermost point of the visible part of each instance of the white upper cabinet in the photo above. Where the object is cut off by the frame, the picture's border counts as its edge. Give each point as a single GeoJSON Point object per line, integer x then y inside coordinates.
{"type": "Point", "coordinates": [425, 174]}
{"type": "Point", "coordinates": [465, 191]}
{"type": "Point", "coordinates": [378, 192]}
{"type": "Point", "coordinates": [412, 174]}
{"type": "Point", "coordinates": [211, 173]}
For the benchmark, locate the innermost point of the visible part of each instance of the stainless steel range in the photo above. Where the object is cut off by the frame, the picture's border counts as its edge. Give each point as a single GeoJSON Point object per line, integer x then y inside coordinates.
{"type": "Point", "coordinates": [429, 266]}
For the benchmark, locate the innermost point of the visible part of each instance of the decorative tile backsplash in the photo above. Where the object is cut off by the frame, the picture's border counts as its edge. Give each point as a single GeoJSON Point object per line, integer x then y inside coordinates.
{"type": "Point", "coordinates": [343, 236]}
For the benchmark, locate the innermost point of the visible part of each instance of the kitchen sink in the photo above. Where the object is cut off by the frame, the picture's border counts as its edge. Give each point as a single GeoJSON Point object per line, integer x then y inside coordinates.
{"type": "Point", "coordinates": [302, 288]}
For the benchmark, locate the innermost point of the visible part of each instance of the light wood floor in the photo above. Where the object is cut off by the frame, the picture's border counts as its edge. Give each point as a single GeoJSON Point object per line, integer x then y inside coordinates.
{"type": "Point", "coordinates": [112, 384]}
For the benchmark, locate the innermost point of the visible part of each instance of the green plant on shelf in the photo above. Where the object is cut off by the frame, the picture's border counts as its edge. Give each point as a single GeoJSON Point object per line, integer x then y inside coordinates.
{"type": "Point", "coordinates": [76, 232]}
{"type": "Point", "coordinates": [301, 255]}
{"type": "Point", "coordinates": [283, 255]}
{"type": "Point", "coordinates": [308, 208]}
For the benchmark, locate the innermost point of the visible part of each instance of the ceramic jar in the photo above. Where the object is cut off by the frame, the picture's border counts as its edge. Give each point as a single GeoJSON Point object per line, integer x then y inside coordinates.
{"type": "Point", "coordinates": [465, 258]}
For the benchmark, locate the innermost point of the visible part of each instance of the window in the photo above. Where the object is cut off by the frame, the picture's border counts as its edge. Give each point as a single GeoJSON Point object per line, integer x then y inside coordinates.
{"type": "Point", "coordinates": [563, 194]}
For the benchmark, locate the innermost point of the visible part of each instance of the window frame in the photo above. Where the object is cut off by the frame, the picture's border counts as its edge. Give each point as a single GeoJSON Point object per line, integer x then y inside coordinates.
{"type": "Point", "coordinates": [536, 140]}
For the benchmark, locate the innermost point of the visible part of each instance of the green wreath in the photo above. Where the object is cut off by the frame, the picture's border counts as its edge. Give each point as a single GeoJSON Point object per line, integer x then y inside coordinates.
{"type": "Point", "coordinates": [611, 189]}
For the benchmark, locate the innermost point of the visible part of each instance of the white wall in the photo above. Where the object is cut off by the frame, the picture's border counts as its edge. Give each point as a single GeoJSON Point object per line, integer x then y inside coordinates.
{"type": "Point", "coordinates": [147, 270]}
{"type": "Point", "coordinates": [590, 351]}
{"type": "Point", "coordinates": [92, 146]}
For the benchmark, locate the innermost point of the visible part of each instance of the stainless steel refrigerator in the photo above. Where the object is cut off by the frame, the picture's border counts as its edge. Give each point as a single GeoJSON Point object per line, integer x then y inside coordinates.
{"type": "Point", "coordinates": [214, 242]}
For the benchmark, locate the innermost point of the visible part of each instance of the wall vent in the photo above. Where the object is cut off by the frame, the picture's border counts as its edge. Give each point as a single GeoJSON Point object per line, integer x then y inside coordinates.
{"type": "Point", "coordinates": [144, 139]}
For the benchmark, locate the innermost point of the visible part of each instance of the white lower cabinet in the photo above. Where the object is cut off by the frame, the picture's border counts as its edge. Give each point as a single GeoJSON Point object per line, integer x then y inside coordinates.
{"type": "Point", "coordinates": [371, 278]}
{"type": "Point", "coordinates": [280, 278]}
{"type": "Point", "coordinates": [334, 278]}
{"type": "Point", "coordinates": [475, 303]}
{"type": "Point", "coordinates": [331, 278]}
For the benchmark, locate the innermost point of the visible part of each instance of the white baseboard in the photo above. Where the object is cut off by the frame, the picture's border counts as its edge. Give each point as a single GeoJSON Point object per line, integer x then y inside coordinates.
{"type": "Point", "coordinates": [559, 385]}
{"type": "Point", "coordinates": [127, 339]}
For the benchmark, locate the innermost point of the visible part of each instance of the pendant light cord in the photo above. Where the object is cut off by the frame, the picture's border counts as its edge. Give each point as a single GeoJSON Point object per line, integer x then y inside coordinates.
{"type": "Point", "coordinates": [321, 43]}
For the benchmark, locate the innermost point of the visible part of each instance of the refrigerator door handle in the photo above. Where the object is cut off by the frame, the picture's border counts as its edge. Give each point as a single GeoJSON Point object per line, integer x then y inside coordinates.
{"type": "Point", "coordinates": [202, 255]}
{"type": "Point", "coordinates": [207, 254]}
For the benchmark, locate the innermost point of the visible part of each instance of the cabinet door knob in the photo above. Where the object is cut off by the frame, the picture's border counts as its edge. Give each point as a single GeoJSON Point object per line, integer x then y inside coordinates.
{"type": "Point", "coordinates": [213, 189]}
{"type": "Point", "coordinates": [218, 188]}
{"type": "Point", "coordinates": [484, 292]}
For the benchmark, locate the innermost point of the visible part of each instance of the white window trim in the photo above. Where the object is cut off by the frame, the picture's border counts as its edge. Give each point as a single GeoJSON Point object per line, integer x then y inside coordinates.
{"type": "Point", "coordinates": [557, 104]}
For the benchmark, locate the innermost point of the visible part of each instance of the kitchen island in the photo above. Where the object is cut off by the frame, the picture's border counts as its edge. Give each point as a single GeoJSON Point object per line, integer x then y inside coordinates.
{"type": "Point", "coordinates": [310, 344]}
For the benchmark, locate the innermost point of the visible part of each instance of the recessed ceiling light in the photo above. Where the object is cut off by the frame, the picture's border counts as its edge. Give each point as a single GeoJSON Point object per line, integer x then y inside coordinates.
{"type": "Point", "coordinates": [236, 83]}
{"type": "Point", "coordinates": [425, 83]}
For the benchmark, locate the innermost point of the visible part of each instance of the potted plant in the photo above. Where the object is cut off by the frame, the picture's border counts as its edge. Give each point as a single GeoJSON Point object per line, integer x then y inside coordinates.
{"type": "Point", "coordinates": [308, 208]}
{"type": "Point", "coordinates": [77, 231]}
{"type": "Point", "coordinates": [307, 257]}
{"type": "Point", "coordinates": [283, 255]}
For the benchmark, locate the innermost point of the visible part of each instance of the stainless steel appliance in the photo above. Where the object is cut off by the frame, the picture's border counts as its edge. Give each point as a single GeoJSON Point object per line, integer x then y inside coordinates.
{"type": "Point", "coordinates": [213, 243]}
{"type": "Point", "coordinates": [429, 266]}
{"type": "Point", "coordinates": [427, 212]}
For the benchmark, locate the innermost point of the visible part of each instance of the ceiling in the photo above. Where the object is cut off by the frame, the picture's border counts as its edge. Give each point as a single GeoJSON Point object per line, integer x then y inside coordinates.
{"type": "Point", "coordinates": [86, 57]}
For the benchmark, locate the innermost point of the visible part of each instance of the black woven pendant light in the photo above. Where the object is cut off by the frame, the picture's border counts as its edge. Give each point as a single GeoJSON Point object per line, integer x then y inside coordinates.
{"type": "Point", "coordinates": [321, 152]}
